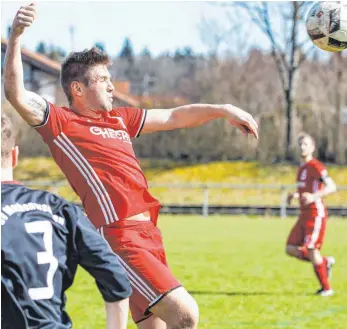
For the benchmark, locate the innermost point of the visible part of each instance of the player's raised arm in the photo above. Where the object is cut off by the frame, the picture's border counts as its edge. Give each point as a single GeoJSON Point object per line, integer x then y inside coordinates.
{"type": "Point", "coordinates": [29, 105]}
{"type": "Point", "coordinates": [194, 115]}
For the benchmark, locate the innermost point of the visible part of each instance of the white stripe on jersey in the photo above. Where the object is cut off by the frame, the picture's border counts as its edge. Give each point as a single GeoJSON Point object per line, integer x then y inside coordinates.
{"type": "Point", "coordinates": [315, 186]}
{"type": "Point", "coordinates": [106, 197]}
{"type": "Point", "coordinates": [315, 233]}
{"type": "Point", "coordinates": [317, 222]}
{"type": "Point", "coordinates": [86, 174]}
{"type": "Point", "coordinates": [142, 123]}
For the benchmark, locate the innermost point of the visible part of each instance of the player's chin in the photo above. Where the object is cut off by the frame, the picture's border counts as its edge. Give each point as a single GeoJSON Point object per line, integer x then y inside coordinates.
{"type": "Point", "coordinates": [107, 107]}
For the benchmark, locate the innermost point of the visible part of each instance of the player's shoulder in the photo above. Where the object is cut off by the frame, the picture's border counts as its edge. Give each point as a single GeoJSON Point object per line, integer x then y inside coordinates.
{"type": "Point", "coordinates": [58, 203]}
{"type": "Point", "coordinates": [119, 111]}
{"type": "Point", "coordinates": [20, 193]}
{"type": "Point", "coordinates": [318, 168]}
{"type": "Point", "coordinates": [317, 164]}
{"type": "Point", "coordinates": [62, 110]}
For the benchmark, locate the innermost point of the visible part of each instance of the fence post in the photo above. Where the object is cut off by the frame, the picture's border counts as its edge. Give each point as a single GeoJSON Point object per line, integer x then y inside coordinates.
{"type": "Point", "coordinates": [283, 202]}
{"type": "Point", "coordinates": [205, 203]}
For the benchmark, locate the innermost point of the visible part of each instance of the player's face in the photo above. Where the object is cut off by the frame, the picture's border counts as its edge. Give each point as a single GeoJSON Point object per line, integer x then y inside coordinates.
{"type": "Point", "coordinates": [99, 92]}
{"type": "Point", "coordinates": [306, 147]}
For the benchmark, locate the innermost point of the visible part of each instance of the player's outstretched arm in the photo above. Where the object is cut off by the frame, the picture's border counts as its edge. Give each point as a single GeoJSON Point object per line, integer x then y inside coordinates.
{"type": "Point", "coordinates": [194, 115]}
{"type": "Point", "coordinates": [29, 105]}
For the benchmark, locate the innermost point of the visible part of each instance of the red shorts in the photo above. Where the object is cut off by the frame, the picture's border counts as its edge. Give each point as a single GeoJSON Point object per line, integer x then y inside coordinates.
{"type": "Point", "coordinates": [139, 247]}
{"type": "Point", "coordinates": [309, 230]}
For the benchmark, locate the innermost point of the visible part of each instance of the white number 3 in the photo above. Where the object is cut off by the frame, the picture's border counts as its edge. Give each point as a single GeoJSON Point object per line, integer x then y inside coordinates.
{"type": "Point", "coordinates": [44, 257]}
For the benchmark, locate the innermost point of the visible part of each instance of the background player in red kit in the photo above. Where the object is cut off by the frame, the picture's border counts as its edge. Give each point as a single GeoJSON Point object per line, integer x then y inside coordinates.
{"type": "Point", "coordinates": [91, 142]}
{"type": "Point", "coordinates": [306, 238]}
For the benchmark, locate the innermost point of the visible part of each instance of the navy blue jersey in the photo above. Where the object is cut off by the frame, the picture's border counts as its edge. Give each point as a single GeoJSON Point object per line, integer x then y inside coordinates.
{"type": "Point", "coordinates": [43, 240]}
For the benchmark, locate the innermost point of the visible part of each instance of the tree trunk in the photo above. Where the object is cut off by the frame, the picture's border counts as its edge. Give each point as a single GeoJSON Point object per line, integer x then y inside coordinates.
{"type": "Point", "coordinates": [339, 147]}
{"type": "Point", "coordinates": [292, 81]}
{"type": "Point", "coordinates": [289, 114]}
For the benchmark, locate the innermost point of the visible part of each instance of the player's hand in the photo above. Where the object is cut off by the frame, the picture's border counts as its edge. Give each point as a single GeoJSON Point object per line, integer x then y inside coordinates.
{"type": "Point", "coordinates": [290, 198]}
{"type": "Point", "coordinates": [308, 198]}
{"type": "Point", "coordinates": [24, 18]}
{"type": "Point", "coordinates": [241, 120]}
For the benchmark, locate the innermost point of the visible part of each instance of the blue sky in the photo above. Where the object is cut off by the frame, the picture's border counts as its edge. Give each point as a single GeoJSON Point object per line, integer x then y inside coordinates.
{"type": "Point", "coordinates": [161, 26]}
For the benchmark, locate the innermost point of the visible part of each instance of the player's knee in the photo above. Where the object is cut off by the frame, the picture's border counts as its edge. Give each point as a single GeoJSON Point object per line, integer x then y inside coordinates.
{"type": "Point", "coordinates": [289, 250]}
{"type": "Point", "coordinates": [314, 256]}
{"type": "Point", "coordinates": [186, 321]}
{"type": "Point", "coordinates": [189, 318]}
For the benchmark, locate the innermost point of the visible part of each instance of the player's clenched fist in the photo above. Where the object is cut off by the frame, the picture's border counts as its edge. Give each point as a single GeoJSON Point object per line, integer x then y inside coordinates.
{"type": "Point", "coordinates": [24, 18]}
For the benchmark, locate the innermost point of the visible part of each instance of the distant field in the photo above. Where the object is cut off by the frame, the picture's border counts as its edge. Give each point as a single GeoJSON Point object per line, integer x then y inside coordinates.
{"type": "Point", "coordinates": [236, 269]}
{"type": "Point", "coordinates": [215, 172]}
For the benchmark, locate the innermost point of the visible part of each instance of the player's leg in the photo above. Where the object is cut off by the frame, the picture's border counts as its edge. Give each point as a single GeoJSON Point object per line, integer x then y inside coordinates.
{"type": "Point", "coordinates": [321, 267]}
{"type": "Point", "coordinates": [299, 252]}
{"type": "Point", "coordinates": [153, 322]}
{"type": "Point", "coordinates": [315, 232]}
{"type": "Point", "coordinates": [178, 309]}
{"type": "Point", "coordinates": [295, 243]}
{"type": "Point", "coordinates": [155, 289]}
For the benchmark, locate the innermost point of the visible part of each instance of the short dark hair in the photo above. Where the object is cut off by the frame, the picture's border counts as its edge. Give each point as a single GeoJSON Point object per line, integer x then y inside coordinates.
{"type": "Point", "coordinates": [76, 65]}
{"type": "Point", "coordinates": [8, 138]}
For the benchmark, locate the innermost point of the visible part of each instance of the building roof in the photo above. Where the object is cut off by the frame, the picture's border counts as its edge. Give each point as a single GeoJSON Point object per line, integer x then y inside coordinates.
{"type": "Point", "coordinates": [122, 88]}
{"type": "Point", "coordinates": [36, 60]}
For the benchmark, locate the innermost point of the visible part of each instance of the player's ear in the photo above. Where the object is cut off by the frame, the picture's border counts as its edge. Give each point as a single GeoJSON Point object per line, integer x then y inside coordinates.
{"type": "Point", "coordinates": [76, 89]}
{"type": "Point", "coordinates": [15, 153]}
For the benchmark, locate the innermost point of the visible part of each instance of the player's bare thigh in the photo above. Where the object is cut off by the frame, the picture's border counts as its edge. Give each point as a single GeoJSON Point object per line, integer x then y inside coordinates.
{"type": "Point", "coordinates": [178, 309]}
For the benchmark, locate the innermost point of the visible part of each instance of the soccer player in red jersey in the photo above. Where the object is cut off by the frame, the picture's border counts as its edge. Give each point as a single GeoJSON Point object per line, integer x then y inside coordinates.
{"type": "Point", "coordinates": [306, 238]}
{"type": "Point", "coordinates": [91, 143]}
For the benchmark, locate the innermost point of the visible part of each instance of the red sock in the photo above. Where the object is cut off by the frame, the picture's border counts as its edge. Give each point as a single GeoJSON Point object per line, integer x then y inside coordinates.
{"type": "Point", "coordinates": [322, 274]}
{"type": "Point", "coordinates": [302, 254]}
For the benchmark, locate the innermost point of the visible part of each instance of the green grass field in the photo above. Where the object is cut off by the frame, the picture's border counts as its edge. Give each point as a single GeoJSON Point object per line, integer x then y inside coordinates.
{"type": "Point", "coordinates": [236, 269]}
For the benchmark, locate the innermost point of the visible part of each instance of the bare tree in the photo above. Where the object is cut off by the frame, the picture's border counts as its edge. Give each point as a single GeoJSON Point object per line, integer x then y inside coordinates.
{"type": "Point", "coordinates": [339, 148]}
{"type": "Point", "coordinates": [212, 35]}
{"type": "Point", "coordinates": [287, 47]}
{"type": "Point", "coordinates": [229, 32]}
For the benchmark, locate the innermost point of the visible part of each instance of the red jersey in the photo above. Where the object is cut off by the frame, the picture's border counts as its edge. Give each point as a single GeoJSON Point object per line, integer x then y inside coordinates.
{"type": "Point", "coordinates": [98, 159]}
{"type": "Point", "coordinates": [310, 179]}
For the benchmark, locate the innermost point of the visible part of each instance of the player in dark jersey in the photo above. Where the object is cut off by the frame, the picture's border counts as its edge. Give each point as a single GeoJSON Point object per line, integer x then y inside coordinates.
{"type": "Point", "coordinates": [43, 240]}
{"type": "Point", "coordinates": [91, 142]}
{"type": "Point", "coordinates": [306, 238]}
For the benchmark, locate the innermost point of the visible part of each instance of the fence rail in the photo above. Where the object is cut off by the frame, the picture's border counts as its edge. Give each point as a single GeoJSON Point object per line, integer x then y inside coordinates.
{"type": "Point", "coordinates": [205, 208]}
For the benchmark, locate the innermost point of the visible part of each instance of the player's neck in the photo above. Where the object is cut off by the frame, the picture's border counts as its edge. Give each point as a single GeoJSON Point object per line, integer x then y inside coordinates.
{"type": "Point", "coordinates": [90, 113]}
{"type": "Point", "coordinates": [6, 174]}
{"type": "Point", "coordinates": [307, 158]}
